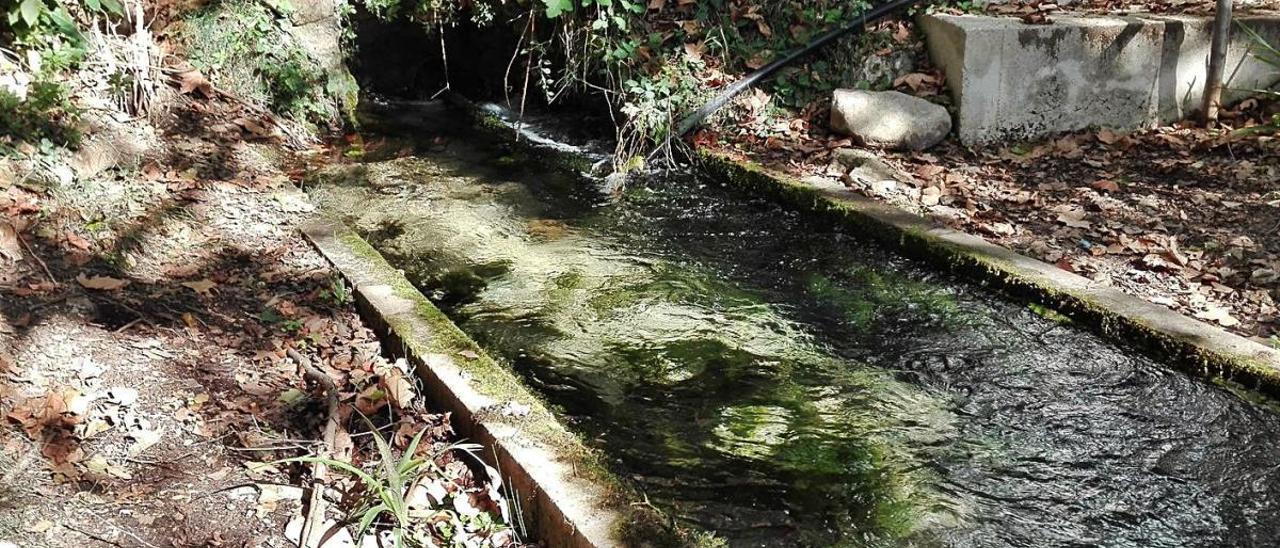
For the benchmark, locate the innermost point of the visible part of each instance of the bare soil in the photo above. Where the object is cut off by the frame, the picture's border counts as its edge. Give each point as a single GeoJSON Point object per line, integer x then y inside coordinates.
{"type": "Point", "coordinates": [144, 320]}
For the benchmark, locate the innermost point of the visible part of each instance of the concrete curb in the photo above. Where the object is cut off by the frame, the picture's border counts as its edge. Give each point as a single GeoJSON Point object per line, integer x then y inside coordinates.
{"type": "Point", "coordinates": [1188, 344]}
{"type": "Point", "coordinates": [565, 496]}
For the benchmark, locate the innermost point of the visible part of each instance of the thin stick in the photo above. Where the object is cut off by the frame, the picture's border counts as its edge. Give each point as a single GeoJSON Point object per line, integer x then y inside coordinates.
{"type": "Point", "coordinates": [39, 261]}
{"type": "Point", "coordinates": [131, 535]}
{"type": "Point", "coordinates": [316, 506]}
{"type": "Point", "coordinates": [95, 536]}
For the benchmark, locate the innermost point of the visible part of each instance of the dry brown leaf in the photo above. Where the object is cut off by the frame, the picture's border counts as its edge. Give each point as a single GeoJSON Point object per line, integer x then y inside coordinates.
{"type": "Point", "coordinates": [1107, 136]}
{"type": "Point", "coordinates": [759, 60]}
{"type": "Point", "coordinates": [695, 50]}
{"type": "Point", "coordinates": [103, 283]}
{"type": "Point", "coordinates": [917, 81]}
{"type": "Point", "coordinates": [77, 241]}
{"type": "Point", "coordinates": [1105, 185]}
{"type": "Point", "coordinates": [10, 248]}
{"type": "Point", "coordinates": [370, 400]}
{"type": "Point", "coordinates": [1072, 217]}
{"type": "Point", "coordinates": [193, 81]}
{"type": "Point", "coordinates": [398, 388]}
{"type": "Point", "coordinates": [202, 287]}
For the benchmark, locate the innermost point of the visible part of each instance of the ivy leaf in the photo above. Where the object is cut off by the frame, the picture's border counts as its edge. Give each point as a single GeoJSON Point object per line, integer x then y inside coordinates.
{"type": "Point", "coordinates": [93, 5]}
{"type": "Point", "coordinates": [30, 11]}
{"type": "Point", "coordinates": [554, 7]}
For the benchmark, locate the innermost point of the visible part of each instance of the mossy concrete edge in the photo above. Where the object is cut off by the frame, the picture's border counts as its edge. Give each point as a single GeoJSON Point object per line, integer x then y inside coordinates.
{"type": "Point", "coordinates": [564, 496]}
{"type": "Point", "coordinates": [1188, 344]}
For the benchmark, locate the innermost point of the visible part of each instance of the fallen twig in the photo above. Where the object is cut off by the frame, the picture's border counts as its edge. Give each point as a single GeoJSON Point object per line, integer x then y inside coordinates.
{"type": "Point", "coordinates": [316, 505]}
{"type": "Point", "coordinates": [39, 261]}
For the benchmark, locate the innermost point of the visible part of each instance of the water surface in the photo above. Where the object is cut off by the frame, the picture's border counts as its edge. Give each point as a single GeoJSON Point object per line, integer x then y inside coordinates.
{"type": "Point", "coordinates": [783, 383]}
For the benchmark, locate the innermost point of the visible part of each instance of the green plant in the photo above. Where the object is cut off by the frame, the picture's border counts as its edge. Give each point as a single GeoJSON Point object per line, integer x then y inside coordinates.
{"type": "Point", "coordinates": [1270, 54]}
{"type": "Point", "coordinates": [34, 21]}
{"type": "Point", "coordinates": [45, 117]}
{"type": "Point", "coordinates": [245, 45]}
{"type": "Point", "coordinates": [386, 494]}
{"type": "Point", "coordinates": [337, 294]}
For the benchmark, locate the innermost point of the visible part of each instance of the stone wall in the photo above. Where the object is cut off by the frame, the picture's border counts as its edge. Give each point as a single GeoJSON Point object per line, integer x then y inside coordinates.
{"type": "Point", "coordinates": [1013, 81]}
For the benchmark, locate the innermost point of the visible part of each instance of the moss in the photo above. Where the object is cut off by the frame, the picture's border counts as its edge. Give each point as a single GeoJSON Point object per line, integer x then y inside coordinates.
{"type": "Point", "coordinates": [1049, 314]}
{"type": "Point", "coordinates": [427, 330]}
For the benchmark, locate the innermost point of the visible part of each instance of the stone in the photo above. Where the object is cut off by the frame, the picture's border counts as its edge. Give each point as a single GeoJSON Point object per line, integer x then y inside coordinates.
{"type": "Point", "coordinates": [866, 169]}
{"type": "Point", "coordinates": [1011, 81]}
{"type": "Point", "coordinates": [889, 119]}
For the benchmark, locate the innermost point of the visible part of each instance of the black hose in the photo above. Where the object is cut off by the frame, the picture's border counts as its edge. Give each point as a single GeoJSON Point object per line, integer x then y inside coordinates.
{"type": "Point", "coordinates": [874, 14]}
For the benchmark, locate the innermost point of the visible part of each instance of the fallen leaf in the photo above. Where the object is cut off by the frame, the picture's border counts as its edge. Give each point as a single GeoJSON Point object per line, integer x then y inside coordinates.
{"type": "Point", "coordinates": [916, 81]}
{"type": "Point", "coordinates": [1218, 314]}
{"type": "Point", "coordinates": [10, 248]}
{"type": "Point", "coordinates": [78, 241]}
{"type": "Point", "coordinates": [1073, 218]}
{"type": "Point", "coordinates": [193, 81]}
{"type": "Point", "coordinates": [397, 386]}
{"type": "Point", "coordinates": [261, 470]}
{"type": "Point", "coordinates": [143, 440]}
{"type": "Point", "coordinates": [370, 400]}
{"type": "Point", "coordinates": [1105, 185]}
{"type": "Point", "coordinates": [99, 466]}
{"type": "Point", "coordinates": [202, 287]}
{"type": "Point", "coordinates": [103, 283]}
{"type": "Point", "coordinates": [1107, 136]}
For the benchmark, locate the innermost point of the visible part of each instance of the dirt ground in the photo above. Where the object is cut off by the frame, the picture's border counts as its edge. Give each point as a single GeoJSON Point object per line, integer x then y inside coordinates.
{"type": "Point", "coordinates": [145, 316]}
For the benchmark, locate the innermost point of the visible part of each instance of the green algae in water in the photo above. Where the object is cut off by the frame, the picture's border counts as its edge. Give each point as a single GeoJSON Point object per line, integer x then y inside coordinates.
{"type": "Point", "coordinates": [604, 330]}
{"type": "Point", "coordinates": [781, 383]}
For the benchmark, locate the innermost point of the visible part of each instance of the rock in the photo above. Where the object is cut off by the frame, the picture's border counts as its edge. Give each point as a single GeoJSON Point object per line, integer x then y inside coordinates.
{"type": "Point", "coordinates": [889, 119]}
{"type": "Point", "coordinates": [868, 170]}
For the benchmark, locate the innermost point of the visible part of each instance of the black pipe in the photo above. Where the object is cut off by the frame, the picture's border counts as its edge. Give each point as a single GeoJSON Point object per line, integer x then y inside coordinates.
{"type": "Point", "coordinates": [874, 14]}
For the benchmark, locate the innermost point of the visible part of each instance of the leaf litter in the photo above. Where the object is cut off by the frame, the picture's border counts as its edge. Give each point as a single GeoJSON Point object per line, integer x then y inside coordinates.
{"type": "Point", "coordinates": [155, 390]}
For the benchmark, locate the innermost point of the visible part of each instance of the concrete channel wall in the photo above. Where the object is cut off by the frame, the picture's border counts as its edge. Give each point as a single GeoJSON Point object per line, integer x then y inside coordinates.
{"type": "Point", "coordinates": [1014, 81]}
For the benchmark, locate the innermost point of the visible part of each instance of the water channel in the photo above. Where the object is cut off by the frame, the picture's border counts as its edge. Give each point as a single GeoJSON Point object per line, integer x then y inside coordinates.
{"type": "Point", "coordinates": [781, 382]}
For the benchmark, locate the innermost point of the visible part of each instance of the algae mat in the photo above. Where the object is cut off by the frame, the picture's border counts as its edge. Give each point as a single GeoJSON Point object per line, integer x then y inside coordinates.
{"type": "Point", "coordinates": [779, 382]}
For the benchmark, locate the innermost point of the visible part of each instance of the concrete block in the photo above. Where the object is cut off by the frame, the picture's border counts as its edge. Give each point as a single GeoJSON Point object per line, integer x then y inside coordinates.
{"type": "Point", "coordinates": [1014, 81]}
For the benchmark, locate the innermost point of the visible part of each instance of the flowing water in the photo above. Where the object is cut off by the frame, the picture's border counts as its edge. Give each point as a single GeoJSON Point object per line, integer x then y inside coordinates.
{"type": "Point", "coordinates": [780, 382]}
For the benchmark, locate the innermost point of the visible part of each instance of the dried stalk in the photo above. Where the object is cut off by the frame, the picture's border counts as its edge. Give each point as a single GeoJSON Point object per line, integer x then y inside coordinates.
{"type": "Point", "coordinates": [312, 534]}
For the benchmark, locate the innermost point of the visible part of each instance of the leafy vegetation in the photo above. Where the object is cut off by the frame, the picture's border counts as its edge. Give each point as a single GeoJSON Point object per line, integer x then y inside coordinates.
{"type": "Point", "coordinates": [44, 117]}
{"type": "Point", "coordinates": [397, 496]}
{"type": "Point", "coordinates": [655, 61]}
{"type": "Point", "coordinates": [47, 24]}
{"type": "Point", "coordinates": [47, 42]}
{"type": "Point", "coordinates": [1267, 53]}
{"type": "Point", "coordinates": [245, 45]}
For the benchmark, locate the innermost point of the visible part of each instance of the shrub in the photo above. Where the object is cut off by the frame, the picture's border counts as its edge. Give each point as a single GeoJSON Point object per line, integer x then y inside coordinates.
{"type": "Point", "coordinates": [44, 115]}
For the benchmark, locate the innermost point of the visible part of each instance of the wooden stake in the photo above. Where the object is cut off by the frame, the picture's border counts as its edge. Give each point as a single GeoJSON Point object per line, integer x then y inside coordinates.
{"type": "Point", "coordinates": [1217, 62]}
